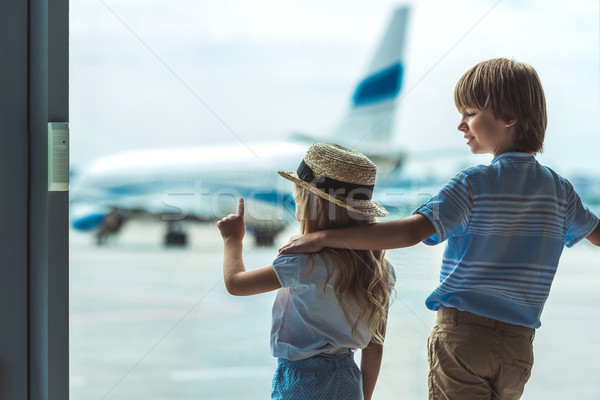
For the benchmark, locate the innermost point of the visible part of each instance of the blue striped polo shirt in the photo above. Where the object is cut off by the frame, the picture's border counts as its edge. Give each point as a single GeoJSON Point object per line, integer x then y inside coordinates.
{"type": "Point", "coordinates": [506, 224]}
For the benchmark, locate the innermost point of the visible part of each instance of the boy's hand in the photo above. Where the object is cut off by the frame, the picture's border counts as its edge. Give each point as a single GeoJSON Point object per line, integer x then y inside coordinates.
{"type": "Point", "coordinates": [310, 243]}
{"type": "Point", "coordinates": [233, 226]}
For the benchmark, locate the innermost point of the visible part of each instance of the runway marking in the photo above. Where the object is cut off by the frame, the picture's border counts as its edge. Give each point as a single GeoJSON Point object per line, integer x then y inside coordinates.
{"type": "Point", "coordinates": [77, 381]}
{"type": "Point", "coordinates": [209, 374]}
{"type": "Point", "coordinates": [134, 296]}
{"type": "Point", "coordinates": [123, 316]}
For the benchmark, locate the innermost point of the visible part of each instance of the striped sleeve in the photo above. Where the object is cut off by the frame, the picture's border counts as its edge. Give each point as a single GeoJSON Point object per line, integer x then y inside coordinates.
{"type": "Point", "coordinates": [450, 210]}
{"type": "Point", "coordinates": [580, 221]}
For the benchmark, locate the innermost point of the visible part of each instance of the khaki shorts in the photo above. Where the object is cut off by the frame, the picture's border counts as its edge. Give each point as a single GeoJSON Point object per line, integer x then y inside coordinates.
{"type": "Point", "coordinates": [473, 357]}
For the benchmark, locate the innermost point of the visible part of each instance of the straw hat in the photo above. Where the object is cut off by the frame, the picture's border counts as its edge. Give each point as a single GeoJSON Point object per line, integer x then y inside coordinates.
{"type": "Point", "coordinates": [340, 175]}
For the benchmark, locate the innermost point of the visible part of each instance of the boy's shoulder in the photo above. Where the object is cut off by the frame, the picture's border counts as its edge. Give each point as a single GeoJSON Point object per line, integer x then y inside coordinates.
{"type": "Point", "coordinates": [475, 170]}
{"type": "Point", "coordinates": [518, 163]}
{"type": "Point", "coordinates": [524, 174]}
{"type": "Point", "coordinates": [472, 172]}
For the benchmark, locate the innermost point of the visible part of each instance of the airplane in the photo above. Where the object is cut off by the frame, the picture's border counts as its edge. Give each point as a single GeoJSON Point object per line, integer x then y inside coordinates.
{"type": "Point", "coordinates": [203, 183]}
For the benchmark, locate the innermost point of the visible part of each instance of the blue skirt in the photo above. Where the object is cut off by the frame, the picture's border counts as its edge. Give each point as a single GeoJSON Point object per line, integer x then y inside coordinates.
{"type": "Point", "coordinates": [322, 377]}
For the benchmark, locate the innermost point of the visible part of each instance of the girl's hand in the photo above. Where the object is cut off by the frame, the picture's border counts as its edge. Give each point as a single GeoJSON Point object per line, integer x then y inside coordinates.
{"type": "Point", "coordinates": [233, 226]}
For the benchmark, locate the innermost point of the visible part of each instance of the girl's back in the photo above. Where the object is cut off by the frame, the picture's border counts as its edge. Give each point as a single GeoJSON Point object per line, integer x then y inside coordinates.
{"type": "Point", "coordinates": [308, 318]}
{"type": "Point", "coordinates": [328, 304]}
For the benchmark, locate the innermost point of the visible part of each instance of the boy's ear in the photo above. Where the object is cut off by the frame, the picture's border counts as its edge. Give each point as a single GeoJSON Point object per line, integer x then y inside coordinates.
{"type": "Point", "coordinates": [509, 123]}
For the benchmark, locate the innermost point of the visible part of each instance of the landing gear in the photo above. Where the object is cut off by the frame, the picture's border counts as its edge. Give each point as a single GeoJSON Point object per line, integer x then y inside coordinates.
{"type": "Point", "coordinates": [264, 239]}
{"type": "Point", "coordinates": [175, 235]}
{"type": "Point", "coordinates": [111, 225]}
{"type": "Point", "coordinates": [265, 235]}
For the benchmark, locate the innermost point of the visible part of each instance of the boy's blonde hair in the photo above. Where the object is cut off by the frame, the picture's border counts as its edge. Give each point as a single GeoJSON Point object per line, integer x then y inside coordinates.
{"type": "Point", "coordinates": [363, 278]}
{"type": "Point", "coordinates": [511, 91]}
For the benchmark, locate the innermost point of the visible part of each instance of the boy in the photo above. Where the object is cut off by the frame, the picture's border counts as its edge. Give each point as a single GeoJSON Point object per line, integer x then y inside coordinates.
{"type": "Point", "coordinates": [506, 224]}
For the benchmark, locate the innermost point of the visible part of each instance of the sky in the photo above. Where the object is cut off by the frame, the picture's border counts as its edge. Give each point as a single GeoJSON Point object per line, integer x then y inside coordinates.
{"type": "Point", "coordinates": [157, 74]}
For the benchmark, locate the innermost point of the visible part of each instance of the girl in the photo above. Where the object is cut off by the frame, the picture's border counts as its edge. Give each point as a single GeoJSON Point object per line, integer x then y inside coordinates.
{"type": "Point", "coordinates": [329, 303]}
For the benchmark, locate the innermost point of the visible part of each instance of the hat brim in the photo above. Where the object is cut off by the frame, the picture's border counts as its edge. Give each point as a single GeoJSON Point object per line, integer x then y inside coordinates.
{"type": "Point", "coordinates": [363, 207]}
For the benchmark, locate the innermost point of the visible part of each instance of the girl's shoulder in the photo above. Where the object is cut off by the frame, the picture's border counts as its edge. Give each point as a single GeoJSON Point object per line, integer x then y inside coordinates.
{"type": "Point", "coordinates": [299, 260]}
{"type": "Point", "coordinates": [294, 269]}
{"type": "Point", "coordinates": [285, 259]}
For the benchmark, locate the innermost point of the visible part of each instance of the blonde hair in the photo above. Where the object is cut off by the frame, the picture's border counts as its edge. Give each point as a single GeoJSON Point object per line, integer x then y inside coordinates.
{"type": "Point", "coordinates": [511, 91]}
{"type": "Point", "coordinates": [363, 278]}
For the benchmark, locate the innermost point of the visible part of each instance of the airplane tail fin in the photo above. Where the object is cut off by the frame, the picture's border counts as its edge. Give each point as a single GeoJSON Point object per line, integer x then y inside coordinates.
{"type": "Point", "coordinates": [370, 119]}
{"type": "Point", "coordinates": [368, 125]}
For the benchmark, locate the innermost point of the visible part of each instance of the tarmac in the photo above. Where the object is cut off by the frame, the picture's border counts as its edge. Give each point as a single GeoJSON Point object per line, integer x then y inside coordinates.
{"type": "Point", "coordinates": [149, 322]}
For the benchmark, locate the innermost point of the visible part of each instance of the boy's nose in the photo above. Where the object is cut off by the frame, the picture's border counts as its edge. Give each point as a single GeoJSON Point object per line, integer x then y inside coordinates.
{"type": "Point", "coordinates": [462, 126]}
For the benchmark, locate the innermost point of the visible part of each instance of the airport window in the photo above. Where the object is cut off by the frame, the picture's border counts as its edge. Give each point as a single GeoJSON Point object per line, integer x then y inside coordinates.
{"type": "Point", "coordinates": [177, 109]}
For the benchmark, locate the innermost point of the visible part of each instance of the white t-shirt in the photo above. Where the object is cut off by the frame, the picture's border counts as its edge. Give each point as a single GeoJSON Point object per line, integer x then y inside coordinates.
{"type": "Point", "coordinates": [307, 319]}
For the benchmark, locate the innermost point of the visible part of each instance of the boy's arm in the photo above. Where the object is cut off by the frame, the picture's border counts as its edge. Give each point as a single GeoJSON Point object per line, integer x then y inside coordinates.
{"type": "Point", "coordinates": [370, 364]}
{"type": "Point", "coordinates": [403, 232]}
{"type": "Point", "coordinates": [594, 237]}
{"type": "Point", "coordinates": [238, 281]}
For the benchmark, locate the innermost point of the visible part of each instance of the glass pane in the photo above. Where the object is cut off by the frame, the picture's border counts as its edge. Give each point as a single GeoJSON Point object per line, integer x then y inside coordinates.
{"type": "Point", "coordinates": [155, 322]}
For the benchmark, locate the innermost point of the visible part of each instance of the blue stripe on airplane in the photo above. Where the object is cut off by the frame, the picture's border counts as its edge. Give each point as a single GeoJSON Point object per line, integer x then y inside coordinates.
{"type": "Point", "coordinates": [94, 219]}
{"type": "Point", "coordinates": [147, 188]}
{"type": "Point", "coordinates": [88, 222]}
{"type": "Point", "coordinates": [382, 85]}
